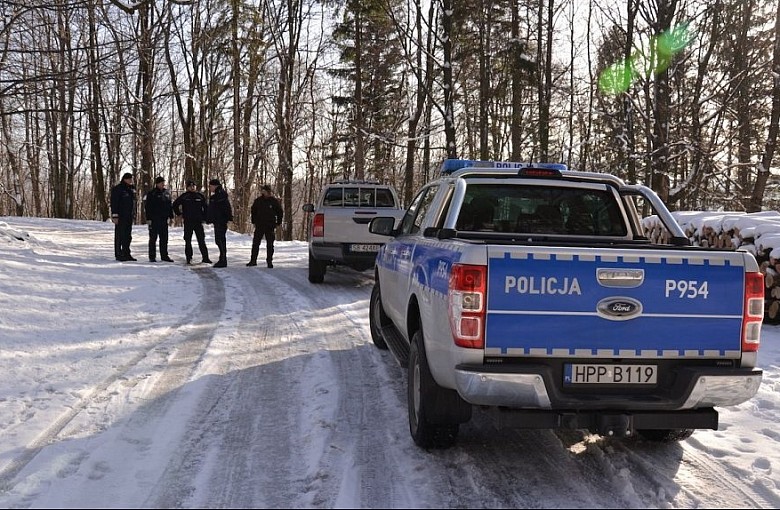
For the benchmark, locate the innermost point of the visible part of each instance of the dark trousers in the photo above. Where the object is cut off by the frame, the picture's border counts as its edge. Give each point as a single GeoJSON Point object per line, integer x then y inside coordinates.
{"type": "Point", "coordinates": [158, 229]}
{"type": "Point", "coordinates": [270, 236]}
{"type": "Point", "coordinates": [220, 237]}
{"type": "Point", "coordinates": [200, 235]}
{"type": "Point", "coordinates": [123, 235]}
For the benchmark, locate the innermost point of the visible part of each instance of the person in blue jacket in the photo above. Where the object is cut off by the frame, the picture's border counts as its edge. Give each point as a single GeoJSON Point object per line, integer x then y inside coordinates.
{"type": "Point", "coordinates": [266, 216]}
{"type": "Point", "coordinates": [192, 206]}
{"type": "Point", "coordinates": [159, 215]}
{"type": "Point", "coordinates": [123, 215]}
{"type": "Point", "coordinates": [219, 213]}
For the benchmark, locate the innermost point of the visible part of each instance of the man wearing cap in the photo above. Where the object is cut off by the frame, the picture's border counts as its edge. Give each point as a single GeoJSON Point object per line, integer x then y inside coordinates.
{"type": "Point", "coordinates": [266, 216]}
{"type": "Point", "coordinates": [159, 214]}
{"type": "Point", "coordinates": [192, 206]}
{"type": "Point", "coordinates": [122, 215]}
{"type": "Point", "coordinates": [219, 213]}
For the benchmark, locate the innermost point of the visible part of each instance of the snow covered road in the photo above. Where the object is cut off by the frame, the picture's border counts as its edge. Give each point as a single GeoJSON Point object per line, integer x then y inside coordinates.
{"type": "Point", "coordinates": [141, 385]}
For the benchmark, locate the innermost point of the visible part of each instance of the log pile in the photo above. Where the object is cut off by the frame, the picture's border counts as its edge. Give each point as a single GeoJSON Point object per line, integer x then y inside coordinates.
{"type": "Point", "coordinates": [757, 233]}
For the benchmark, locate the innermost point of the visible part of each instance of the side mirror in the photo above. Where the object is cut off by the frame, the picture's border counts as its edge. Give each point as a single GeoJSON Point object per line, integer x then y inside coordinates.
{"type": "Point", "coordinates": [308, 207]}
{"type": "Point", "coordinates": [382, 225]}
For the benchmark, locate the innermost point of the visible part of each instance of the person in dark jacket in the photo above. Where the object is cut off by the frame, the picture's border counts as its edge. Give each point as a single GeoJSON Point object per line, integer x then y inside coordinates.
{"type": "Point", "coordinates": [122, 215]}
{"type": "Point", "coordinates": [266, 216]}
{"type": "Point", "coordinates": [192, 207]}
{"type": "Point", "coordinates": [159, 215]}
{"type": "Point", "coordinates": [219, 213]}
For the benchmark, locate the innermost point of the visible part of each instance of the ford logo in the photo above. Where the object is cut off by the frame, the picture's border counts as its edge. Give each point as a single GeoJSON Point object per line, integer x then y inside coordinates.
{"type": "Point", "coordinates": [619, 308]}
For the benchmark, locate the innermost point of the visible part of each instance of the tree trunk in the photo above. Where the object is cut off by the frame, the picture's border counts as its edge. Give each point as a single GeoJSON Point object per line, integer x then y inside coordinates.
{"type": "Point", "coordinates": [96, 153]}
{"type": "Point", "coordinates": [449, 101]}
{"type": "Point", "coordinates": [774, 119]}
{"type": "Point", "coordinates": [359, 135]}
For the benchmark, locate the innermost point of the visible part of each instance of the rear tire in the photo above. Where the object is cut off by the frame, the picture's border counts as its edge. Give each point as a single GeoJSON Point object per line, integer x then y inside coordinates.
{"type": "Point", "coordinates": [665, 435]}
{"type": "Point", "coordinates": [377, 319]}
{"type": "Point", "coordinates": [316, 270]}
{"type": "Point", "coordinates": [430, 424]}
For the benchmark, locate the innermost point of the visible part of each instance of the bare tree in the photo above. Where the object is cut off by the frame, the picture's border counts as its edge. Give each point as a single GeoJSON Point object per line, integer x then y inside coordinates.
{"type": "Point", "coordinates": [774, 119]}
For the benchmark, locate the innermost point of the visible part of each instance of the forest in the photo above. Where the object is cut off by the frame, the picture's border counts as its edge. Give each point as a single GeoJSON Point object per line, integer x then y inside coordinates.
{"type": "Point", "coordinates": [679, 95]}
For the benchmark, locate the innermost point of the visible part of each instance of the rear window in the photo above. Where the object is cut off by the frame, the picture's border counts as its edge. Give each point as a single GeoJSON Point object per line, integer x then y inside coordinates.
{"type": "Point", "coordinates": [541, 210]}
{"type": "Point", "coordinates": [358, 197]}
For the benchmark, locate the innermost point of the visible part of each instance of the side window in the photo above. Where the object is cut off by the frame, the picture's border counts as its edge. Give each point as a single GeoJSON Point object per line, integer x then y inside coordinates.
{"type": "Point", "coordinates": [334, 197]}
{"type": "Point", "coordinates": [415, 215]}
{"type": "Point", "coordinates": [424, 209]}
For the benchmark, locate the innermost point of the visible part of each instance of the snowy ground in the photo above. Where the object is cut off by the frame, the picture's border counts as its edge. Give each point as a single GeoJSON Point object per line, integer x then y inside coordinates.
{"type": "Point", "coordinates": [135, 384]}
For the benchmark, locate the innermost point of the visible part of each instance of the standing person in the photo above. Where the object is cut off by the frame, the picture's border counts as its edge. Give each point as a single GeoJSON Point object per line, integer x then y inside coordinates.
{"type": "Point", "coordinates": [266, 216]}
{"type": "Point", "coordinates": [192, 206]}
{"type": "Point", "coordinates": [122, 215]}
{"type": "Point", "coordinates": [219, 213]}
{"type": "Point", "coordinates": [159, 214]}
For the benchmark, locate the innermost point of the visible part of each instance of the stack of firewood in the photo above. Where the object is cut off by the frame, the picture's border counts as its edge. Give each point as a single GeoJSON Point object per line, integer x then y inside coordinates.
{"type": "Point", "coordinates": [757, 233]}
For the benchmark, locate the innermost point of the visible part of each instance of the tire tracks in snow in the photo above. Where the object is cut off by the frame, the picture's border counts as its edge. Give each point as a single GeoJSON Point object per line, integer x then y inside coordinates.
{"type": "Point", "coordinates": [300, 428]}
{"type": "Point", "coordinates": [188, 350]}
{"type": "Point", "coordinates": [360, 445]}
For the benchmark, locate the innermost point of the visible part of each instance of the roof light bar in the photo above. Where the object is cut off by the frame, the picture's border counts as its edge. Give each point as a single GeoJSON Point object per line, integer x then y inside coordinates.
{"type": "Point", "coordinates": [452, 165]}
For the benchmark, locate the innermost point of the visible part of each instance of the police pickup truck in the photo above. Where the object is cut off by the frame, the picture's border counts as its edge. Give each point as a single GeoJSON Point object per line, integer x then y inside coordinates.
{"type": "Point", "coordinates": [529, 290]}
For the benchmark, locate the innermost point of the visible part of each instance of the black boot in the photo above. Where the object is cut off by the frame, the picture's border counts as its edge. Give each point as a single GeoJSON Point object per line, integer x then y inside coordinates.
{"type": "Point", "coordinates": [221, 263]}
{"type": "Point", "coordinates": [251, 263]}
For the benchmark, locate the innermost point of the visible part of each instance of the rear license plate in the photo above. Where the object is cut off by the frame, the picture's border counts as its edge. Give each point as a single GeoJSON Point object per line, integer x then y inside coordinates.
{"type": "Point", "coordinates": [364, 247]}
{"type": "Point", "coordinates": [609, 374]}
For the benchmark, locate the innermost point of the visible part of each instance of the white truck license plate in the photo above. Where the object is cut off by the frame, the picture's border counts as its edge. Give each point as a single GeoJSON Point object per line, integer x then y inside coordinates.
{"type": "Point", "coordinates": [364, 247]}
{"type": "Point", "coordinates": [609, 374]}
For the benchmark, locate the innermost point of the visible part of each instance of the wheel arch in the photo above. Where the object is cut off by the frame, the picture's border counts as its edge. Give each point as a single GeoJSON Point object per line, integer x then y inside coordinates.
{"type": "Point", "coordinates": [413, 321]}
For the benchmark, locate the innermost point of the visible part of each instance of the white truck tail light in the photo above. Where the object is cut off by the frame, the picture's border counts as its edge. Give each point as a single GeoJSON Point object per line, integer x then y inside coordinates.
{"type": "Point", "coordinates": [467, 288]}
{"type": "Point", "coordinates": [753, 312]}
{"type": "Point", "coordinates": [318, 225]}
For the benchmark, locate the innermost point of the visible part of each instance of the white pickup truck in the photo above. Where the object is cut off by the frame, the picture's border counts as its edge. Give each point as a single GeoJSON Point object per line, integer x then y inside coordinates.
{"type": "Point", "coordinates": [530, 291]}
{"type": "Point", "coordinates": [338, 233]}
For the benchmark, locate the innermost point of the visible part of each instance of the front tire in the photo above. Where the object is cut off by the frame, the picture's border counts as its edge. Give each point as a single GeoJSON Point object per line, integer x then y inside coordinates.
{"type": "Point", "coordinates": [377, 319]}
{"type": "Point", "coordinates": [316, 270]}
{"type": "Point", "coordinates": [431, 423]}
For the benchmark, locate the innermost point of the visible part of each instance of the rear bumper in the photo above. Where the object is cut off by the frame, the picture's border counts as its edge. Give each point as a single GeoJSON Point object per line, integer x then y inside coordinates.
{"type": "Point", "coordinates": [339, 253]}
{"type": "Point", "coordinates": [531, 387]}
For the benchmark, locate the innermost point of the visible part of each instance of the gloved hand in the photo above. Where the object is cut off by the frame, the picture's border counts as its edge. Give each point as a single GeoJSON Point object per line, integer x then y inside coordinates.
{"type": "Point", "coordinates": [115, 221]}
{"type": "Point", "coordinates": [149, 222]}
{"type": "Point", "coordinates": [170, 221]}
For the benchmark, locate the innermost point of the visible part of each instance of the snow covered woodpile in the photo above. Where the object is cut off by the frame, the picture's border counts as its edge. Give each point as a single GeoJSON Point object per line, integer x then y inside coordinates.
{"type": "Point", "coordinates": [758, 233]}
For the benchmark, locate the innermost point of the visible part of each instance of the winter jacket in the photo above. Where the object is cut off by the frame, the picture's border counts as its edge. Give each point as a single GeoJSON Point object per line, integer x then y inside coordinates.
{"type": "Point", "coordinates": [123, 202]}
{"type": "Point", "coordinates": [158, 205]}
{"type": "Point", "coordinates": [266, 213]}
{"type": "Point", "coordinates": [192, 206]}
{"type": "Point", "coordinates": [219, 211]}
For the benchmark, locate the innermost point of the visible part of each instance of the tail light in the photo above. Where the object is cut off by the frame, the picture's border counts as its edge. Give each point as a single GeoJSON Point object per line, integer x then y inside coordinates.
{"type": "Point", "coordinates": [753, 312]}
{"type": "Point", "coordinates": [318, 225]}
{"type": "Point", "coordinates": [467, 288]}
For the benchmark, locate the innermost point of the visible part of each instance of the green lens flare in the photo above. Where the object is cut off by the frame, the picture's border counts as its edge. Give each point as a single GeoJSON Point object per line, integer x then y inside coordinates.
{"type": "Point", "coordinates": [616, 79]}
{"type": "Point", "coordinates": [673, 41]}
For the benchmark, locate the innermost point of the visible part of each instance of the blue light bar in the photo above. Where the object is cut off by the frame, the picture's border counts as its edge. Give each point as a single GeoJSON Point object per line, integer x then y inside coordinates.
{"type": "Point", "coordinates": [451, 165]}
